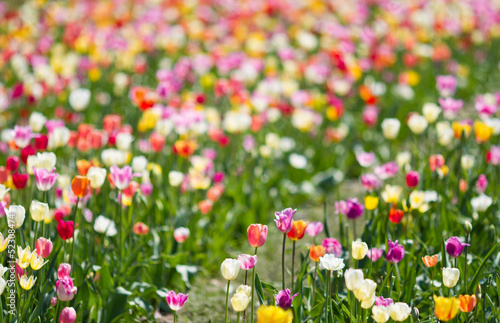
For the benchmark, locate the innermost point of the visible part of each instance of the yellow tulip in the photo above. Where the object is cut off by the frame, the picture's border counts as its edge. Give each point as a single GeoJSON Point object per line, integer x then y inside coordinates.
{"type": "Point", "coordinates": [27, 282]}
{"type": "Point", "coordinates": [371, 202]}
{"type": "Point", "coordinates": [36, 262]}
{"type": "Point", "coordinates": [446, 308]}
{"type": "Point", "coordinates": [4, 242]}
{"type": "Point", "coordinates": [266, 314]}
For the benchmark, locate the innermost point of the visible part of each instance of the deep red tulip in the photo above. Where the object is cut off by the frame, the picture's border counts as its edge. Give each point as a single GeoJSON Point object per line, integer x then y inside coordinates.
{"type": "Point", "coordinates": [65, 229]}
{"type": "Point", "coordinates": [20, 180]}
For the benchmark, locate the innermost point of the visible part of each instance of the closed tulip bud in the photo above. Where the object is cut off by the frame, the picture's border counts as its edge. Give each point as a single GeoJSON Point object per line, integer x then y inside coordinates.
{"type": "Point", "coordinates": [430, 261]}
{"type": "Point", "coordinates": [478, 292]}
{"type": "Point", "coordinates": [462, 185]}
{"type": "Point", "coordinates": [353, 278]}
{"type": "Point", "coordinates": [381, 314]}
{"type": "Point", "coordinates": [468, 227]}
{"type": "Point", "coordinates": [68, 315]}
{"type": "Point", "coordinates": [97, 176]}
{"type": "Point", "coordinates": [467, 303]}
{"type": "Point", "coordinates": [38, 210]}
{"type": "Point", "coordinates": [315, 252]}
{"type": "Point", "coordinates": [390, 128]}
{"type": "Point", "coordinates": [230, 268]}
{"type": "Point", "coordinates": [15, 216]}
{"type": "Point", "coordinates": [257, 235]}
{"type": "Point", "coordinates": [450, 276]}
{"type": "Point", "coordinates": [445, 308]}
{"type": "Point", "coordinates": [416, 314]}
{"type": "Point", "coordinates": [181, 234]}
{"type": "Point", "coordinates": [12, 163]}
{"type": "Point", "coordinates": [175, 178]}
{"type": "Point", "coordinates": [43, 247]}
{"type": "Point", "coordinates": [240, 302]}
{"type": "Point", "coordinates": [20, 180]}
{"type": "Point", "coordinates": [400, 311]}
{"type": "Point", "coordinates": [359, 249]}
{"type": "Point", "coordinates": [412, 179]}
{"type": "Point", "coordinates": [244, 289]}
{"type": "Point", "coordinates": [366, 290]}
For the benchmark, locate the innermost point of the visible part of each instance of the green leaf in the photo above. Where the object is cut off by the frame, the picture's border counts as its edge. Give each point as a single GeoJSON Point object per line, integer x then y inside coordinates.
{"type": "Point", "coordinates": [258, 289]}
{"type": "Point", "coordinates": [475, 279]}
{"type": "Point", "coordinates": [106, 283]}
{"type": "Point", "coordinates": [317, 309]}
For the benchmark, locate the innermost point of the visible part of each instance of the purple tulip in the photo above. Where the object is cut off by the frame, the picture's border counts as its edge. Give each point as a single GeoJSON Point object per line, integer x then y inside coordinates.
{"type": "Point", "coordinates": [454, 247]}
{"type": "Point", "coordinates": [350, 208]}
{"type": "Point", "coordinates": [284, 219]}
{"type": "Point", "coordinates": [395, 253]}
{"type": "Point", "coordinates": [284, 298]}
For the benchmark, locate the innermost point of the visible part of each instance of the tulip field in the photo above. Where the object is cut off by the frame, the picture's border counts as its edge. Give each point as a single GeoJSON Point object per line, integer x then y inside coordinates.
{"type": "Point", "coordinates": [249, 161]}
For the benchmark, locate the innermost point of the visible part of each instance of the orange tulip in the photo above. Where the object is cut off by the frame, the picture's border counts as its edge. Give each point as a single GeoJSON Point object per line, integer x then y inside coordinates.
{"type": "Point", "coordinates": [430, 261]}
{"type": "Point", "coordinates": [298, 230]}
{"type": "Point", "coordinates": [80, 185]}
{"type": "Point", "coordinates": [467, 303]}
{"type": "Point", "coordinates": [184, 148]}
{"type": "Point", "coordinates": [83, 166]}
{"type": "Point", "coordinates": [316, 251]}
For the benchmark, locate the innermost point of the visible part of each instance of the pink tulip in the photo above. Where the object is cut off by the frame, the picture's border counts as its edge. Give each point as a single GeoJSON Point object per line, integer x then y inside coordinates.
{"type": "Point", "coordinates": [68, 315]}
{"type": "Point", "coordinates": [176, 301]}
{"type": "Point", "coordinates": [257, 235]}
{"type": "Point", "coordinates": [247, 261]}
{"type": "Point", "coordinates": [44, 179]}
{"type": "Point", "coordinates": [22, 136]}
{"type": "Point", "coordinates": [481, 184]}
{"type": "Point", "coordinates": [122, 176]}
{"type": "Point", "coordinates": [314, 228]}
{"type": "Point", "coordinates": [43, 247]}
{"type": "Point", "coordinates": [64, 270]}
{"type": "Point", "coordinates": [65, 289]}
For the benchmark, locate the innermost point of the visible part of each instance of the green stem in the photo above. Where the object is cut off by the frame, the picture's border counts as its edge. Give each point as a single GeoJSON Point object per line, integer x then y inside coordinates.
{"type": "Point", "coordinates": [283, 262]}
{"type": "Point", "coordinates": [238, 317]}
{"type": "Point", "coordinates": [227, 300]}
{"type": "Point", "coordinates": [465, 264]}
{"type": "Point", "coordinates": [293, 265]}
{"type": "Point", "coordinates": [73, 236]}
{"type": "Point", "coordinates": [175, 317]}
{"type": "Point", "coordinates": [253, 285]}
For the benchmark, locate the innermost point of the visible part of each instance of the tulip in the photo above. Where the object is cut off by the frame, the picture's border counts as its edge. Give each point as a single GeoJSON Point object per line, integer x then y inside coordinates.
{"type": "Point", "coordinates": [22, 136]}
{"type": "Point", "coordinates": [247, 261]}
{"type": "Point", "coordinates": [482, 183]}
{"type": "Point", "coordinates": [64, 270]}
{"type": "Point", "coordinates": [374, 254]}
{"type": "Point", "coordinates": [65, 289]}
{"type": "Point", "coordinates": [330, 262]}
{"type": "Point", "coordinates": [381, 314]}
{"type": "Point", "coordinates": [12, 163]}
{"type": "Point", "coordinates": [230, 269]}
{"type": "Point", "coordinates": [353, 278]}
{"type": "Point", "coordinates": [371, 202]}
{"type": "Point", "coordinates": [68, 315]}
{"type": "Point", "coordinates": [19, 180]}
{"type": "Point", "coordinates": [43, 247]}
{"type": "Point", "coordinates": [284, 219]}
{"type": "Point", "coordinates": [446, 308]}
{"type": "Point", "coordinates": [240, 302]}
{"type": "Point", "coordinates": [350, 208]}
{"type": "Point", "coordinates": [175, 178]}
{"type": "Point", "coordinates": [257, 235]}
{"type": "Point", "coordinates": [395, 252]}
{"type": "Point", "coordinates": [97, 176]}
{"type": "Point", "coordinates": [181, 234]}
{"type": "Point", "coordinates": [400, 311]}
{"type": "Point", "coordinates": [284, 299]}
{"type": "Point", "coordinates": [431, 112]}
{"type": "Point", "coordinates": [367, 303]}
{"type": "Point", "coordinates": [395, 215]}
{"type": "Point", "coordinates": [140, 229]}
{"type": "Point", "coordinates": [454, 247]}
{"type": "Point", "coordinates": [65, 229]}
{"type": "Point", "coordinates": [467, 303]}
{"type": "Point", "coordinates": [105, 226]}
{"type": "Point", "coordinates": [79, 99]}
{"type": "Point", "coordinates": [332, 246]}
{"type": "Point", "coordinates": [366, 290]}
{"type": "Point", "coordinates": [39, 210]}
{"type": "Point", "coordinates": [412, 179]}
{"type": "Point", "coordinates": [122, 176]}
{"type": "Point", "coordinates": [24, 256]}
{"type": "Point", "coordinates": [274, 314]}
{"type": "Point", "coordinates": [4, 241]}
{"type": "Point", "coordinates": [3, 191]}
{"type": "Point", "coordinates": [450, 276]}
{"type": "Point", "coordinates": [27, 283]}
{"type": "Point", "coordinates": [36, 262]}
{"type": "Point", "coordinates": [391, 194]}
{"type": "Point", "coordinates": [430, 261]}
{"type": "Point", "coordinates": [15, 216]}
{"type": "Point", "coordinates": [80, 186]}
{"type": "Point", "coordinates": [417, 124]}
{"type": "Point", "coordinates": [314, 228]}
{"type": "Point", "coordinates": [481, 203]}
{"type": "Point", "coordinates": [3, 283]}
{"type": "Point", "coordinates": [176, 301]}
{"type": "Point", "coordinates": [386, 302]}
{"type": "Point", "coordinates": [315, 252]}
{"type": "Point", "coordinates": [44, 179]}
{"type": "Point", "coordinates": [390, 128]}
{"type": "Point", "coordinates": [298, 230]}
{"type": "Point", "coordinates": [359, 249]}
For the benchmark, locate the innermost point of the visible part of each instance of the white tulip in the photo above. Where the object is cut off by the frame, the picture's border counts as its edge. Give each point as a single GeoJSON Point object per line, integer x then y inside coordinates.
{"type": "Point", "coordinates": [390, 128]}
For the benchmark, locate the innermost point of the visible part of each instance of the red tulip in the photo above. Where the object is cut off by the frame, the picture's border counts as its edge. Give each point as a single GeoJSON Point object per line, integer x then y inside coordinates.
{"type": "Point", "coordinates": [20, 180]}
{"type": "Point", "coordinates": [257, 235]}
{"type": "Point", "coordinates": [65, 229]}
{"type": "Point", "coordinates": [12, 163]}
